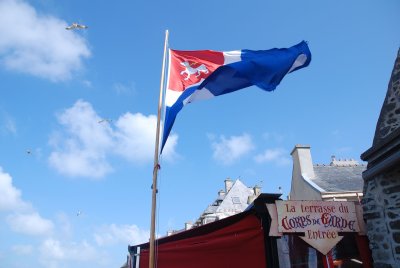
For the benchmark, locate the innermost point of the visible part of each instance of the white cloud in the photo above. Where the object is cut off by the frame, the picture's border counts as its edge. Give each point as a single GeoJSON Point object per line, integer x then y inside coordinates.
{"type": "Point", "coordinates": [52, 248]}
{"type": "Point", "coordinates": [87, 83]}
{"type": "Point", "coordinates": [278, 156]}
{"type": "Point", "coordinates": [10, 125]}
{"type": "Point", "coordinates": [24, 218]}
{"type": "Point", "coordinates": [122, 89]}
{"type": "Point", "coordinates": [83, 122]}
{"type": "Point", "coordinates": [23, 249]}
{"type": "Point", "coordinates": [80, 162]}
{"type": "Point", "coordinates": [121, 234]}
{"type": "Point", "coordinates": [135, 136]}
{"type": "Point", "coordinates": [7, 124]}
{"type": "Point", "coordinates": [169, 148]}
{"type": "Point", "coordinates": [29, 223]}
{"type": "Point", "coordinates": [83, 153]}
{"type": "Point", "coordinates": [228, 150]}
{"type": "Point", "coordinates": [82, 147]}
{"type": "Point", "coordinates": [64, 226]}
{"type": "Point", "coordinates": [38, 44]}
{"type": "Point", "coordinates": [10, 197]}
{"type": "Point", "coordinates": [52, 251]}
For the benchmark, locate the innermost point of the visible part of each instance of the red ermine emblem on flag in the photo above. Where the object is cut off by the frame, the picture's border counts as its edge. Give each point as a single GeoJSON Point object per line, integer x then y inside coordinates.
{"type": "Point", "coordinates": [190, 67]}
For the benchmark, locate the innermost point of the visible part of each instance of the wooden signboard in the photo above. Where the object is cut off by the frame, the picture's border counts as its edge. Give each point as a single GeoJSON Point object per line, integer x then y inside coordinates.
{"type": "Point", "coordinates": [321, 222]}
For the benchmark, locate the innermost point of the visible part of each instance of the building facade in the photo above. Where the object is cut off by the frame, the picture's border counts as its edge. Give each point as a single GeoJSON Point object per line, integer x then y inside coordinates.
{"type": "Point", "coordinates": [381, 203]}
{"type": "Point", "coordinates": [235, 198]}
{"type": "Point", "coordinates": [340, 180]}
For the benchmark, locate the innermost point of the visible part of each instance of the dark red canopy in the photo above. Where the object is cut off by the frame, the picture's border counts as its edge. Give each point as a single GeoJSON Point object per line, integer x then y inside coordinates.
{"type": "Point", "coordinates": [240, 244]}
{"type": "Point", "coordinates": [237, 241]}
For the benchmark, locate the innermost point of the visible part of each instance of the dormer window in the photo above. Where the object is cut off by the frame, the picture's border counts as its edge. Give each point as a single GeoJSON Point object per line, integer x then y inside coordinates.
{"type": "Point", "coordinates": [235, 200]}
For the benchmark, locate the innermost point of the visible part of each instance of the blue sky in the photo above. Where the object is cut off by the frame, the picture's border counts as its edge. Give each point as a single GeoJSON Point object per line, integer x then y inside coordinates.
{"type": "Point", "coordinates": [57, 159]}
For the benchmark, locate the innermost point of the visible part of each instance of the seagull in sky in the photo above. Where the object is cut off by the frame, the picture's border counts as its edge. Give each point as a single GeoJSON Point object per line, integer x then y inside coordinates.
{"type": "Point", "coordinates": [78, 213]}
{"type": "Point", "coordinates": [104, 120]}
{"type": "Point", "coordinates": [76, 26]}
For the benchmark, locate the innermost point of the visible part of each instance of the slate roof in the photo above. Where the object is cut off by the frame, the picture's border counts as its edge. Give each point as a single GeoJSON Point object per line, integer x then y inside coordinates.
{"type": "Point", "coordinates": [224, 205]}
{"type": "Point", "coordinates": [211, 209]}
{"type": "Point", "coordinates": [339, 178]}
{"type": "Point", "coordinates": [389, 118]}
{"type": "Point", "coordinates": [238, 190]}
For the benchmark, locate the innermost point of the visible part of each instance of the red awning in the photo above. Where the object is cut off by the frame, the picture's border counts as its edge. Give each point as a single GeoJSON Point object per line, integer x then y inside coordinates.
{"type": "Point", "coordinates": [237, 243]}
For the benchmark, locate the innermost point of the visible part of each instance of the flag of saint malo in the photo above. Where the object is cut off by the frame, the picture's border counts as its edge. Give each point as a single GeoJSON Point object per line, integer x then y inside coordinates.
{"type": "Point", "coordinates": [203, 74]}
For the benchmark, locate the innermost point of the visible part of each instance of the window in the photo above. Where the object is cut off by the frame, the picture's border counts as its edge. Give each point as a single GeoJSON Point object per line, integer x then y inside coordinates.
{"type": "Point", "coordinates": [235, 200]}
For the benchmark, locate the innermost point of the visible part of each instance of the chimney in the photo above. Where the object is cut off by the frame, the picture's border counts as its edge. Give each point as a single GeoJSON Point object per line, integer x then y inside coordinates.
{"type": "Point", "coordinates": [257, 190]}
{"type": "Point", "coordinates": [228, 185]}
{"type": "Point", "coordinates": [221, 193]}
{"type": "Point", "coordinates": [188, 225]}
{"type": "Point", "coordinates": [302, 161]}
{"type": "Point", "coordinates": [250, 199]}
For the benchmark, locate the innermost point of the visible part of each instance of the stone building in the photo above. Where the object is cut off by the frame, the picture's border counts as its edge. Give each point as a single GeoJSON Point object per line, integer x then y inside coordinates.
{"type": "Point", "coordinates": [381, 203]}
{"type": "Point", "coordinates": [233, 199]}
{"type": "Point", "coordinates": [340, 180]}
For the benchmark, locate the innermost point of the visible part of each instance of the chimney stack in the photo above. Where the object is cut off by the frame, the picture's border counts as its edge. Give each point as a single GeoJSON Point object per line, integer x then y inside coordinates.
{"type": "Point", "coordinates": [221, 193]}
{"type": "Point", "coordinates": [257, 190]}
{"type": "Point", "coordinates": [188, 225]}
{"type": "Point", "coordinates": [302, 161]}
{"type": "Point", "coordinates": [228, 185]}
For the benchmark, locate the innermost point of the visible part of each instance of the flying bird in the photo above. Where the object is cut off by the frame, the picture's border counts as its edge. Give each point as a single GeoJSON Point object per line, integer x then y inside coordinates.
{"type": "Point", "coordinates": [104, 120]}
{"type": "Point", "coordinates": [76, 26]}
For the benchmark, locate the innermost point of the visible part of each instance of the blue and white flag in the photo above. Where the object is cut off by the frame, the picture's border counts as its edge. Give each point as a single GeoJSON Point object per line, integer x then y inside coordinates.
{"type": "Point", "coordinates": [203, 74]}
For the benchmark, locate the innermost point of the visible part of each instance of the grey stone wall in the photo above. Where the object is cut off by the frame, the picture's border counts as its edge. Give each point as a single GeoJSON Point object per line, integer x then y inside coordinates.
{"type": "Point", "coordinates": [381, 204]}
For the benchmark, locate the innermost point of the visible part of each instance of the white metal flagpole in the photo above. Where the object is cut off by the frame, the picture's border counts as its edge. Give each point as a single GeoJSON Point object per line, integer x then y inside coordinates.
{"type": "Point", "coordinates": [156, 165]}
